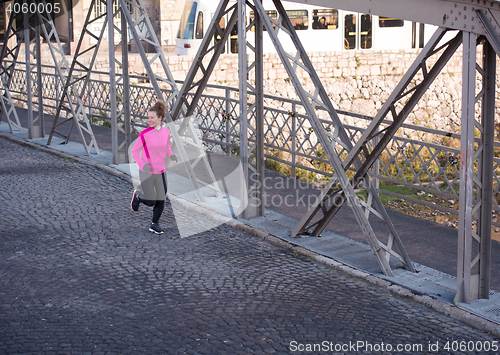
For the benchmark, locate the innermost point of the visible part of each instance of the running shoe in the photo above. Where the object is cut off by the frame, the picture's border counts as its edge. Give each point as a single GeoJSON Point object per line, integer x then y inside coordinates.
{"type": "Point", "coordinates": [134, 204]}
{"type": "Point", "coordinates": [155, 228]}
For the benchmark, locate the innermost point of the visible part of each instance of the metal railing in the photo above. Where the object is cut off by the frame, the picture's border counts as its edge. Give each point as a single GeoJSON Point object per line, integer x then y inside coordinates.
{"type": "Point", "coordinates": [290, 145]}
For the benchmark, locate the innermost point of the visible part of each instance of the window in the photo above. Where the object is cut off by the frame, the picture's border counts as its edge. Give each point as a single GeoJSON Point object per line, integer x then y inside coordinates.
{"type": "Point", "coordinates": [366, 31]}
{"type": "Point", "coordinates": [3, 21]}
{"type": "Point", "coordinates": [273, 14]}
{"type": "Point", "coordinates": [199, 26]}
{"type": "Point", "coordinates": [233, 43]}
{"type": "Point", "coordinates": [217, 37]}
{"type": "Point", "coordinates": [99, 8]}
{"type": "Point", "coordinates": [350, 31]}
{"type": "Point", "coordinates": [389, 22]}
{"type": "Point", "coordinates": [186, 26]}
{"type": "Point", "coordinates": [325, 19]}
{"type": "Point", "coordinates": [299, 19]}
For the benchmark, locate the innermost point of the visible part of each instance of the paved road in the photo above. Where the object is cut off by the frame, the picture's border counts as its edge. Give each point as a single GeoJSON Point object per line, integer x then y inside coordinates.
{"type": "Point", "coordinates": [428, 243]}
{"type": "Point", "coordinates": [80, 274]}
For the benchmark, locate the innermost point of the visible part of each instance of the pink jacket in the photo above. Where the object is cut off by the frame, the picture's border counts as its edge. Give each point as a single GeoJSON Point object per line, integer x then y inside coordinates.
{"type": "Point", "coordinates": [155, 146]}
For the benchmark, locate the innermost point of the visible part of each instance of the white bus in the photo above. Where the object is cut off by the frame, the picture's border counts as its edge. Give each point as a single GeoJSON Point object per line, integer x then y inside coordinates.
{"type": "Point", "coordinates": [319, 29]}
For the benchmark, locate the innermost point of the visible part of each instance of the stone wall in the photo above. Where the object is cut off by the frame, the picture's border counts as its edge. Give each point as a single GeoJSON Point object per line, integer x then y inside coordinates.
{"type": "Point", "coordinates": [356, 81]}
{"type": "Point", "coordinates": [359, 82]}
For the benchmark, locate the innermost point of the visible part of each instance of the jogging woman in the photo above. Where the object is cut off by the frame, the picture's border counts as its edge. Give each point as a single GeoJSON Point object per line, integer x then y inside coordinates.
{"type": "Point", "coordinates": [150, 152]}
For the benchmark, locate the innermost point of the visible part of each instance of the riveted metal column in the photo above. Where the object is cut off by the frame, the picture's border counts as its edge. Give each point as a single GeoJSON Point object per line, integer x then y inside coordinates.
{"type": "Point", "coordinates": [253, 188]}
{"type": "Point", "coordinates": [126, 86]}
{"type": "Point", "coordinates": [486, 169]}
{"type": "Point", "coordinates": [39, 131]}
{"type": "Point", "coordinates": [228, 123]}
{"type": "Point", "coordinates": [112, 83]}
{"type": "Point", "coordinates": [27, 55]}
{"type": "Point", "coordinates": [243, 77]}
{"type": "Point", "coordinates": [259, 115]}
{"type": "Point", "coordinates": [466, 169]}
{"type": "Point", "coordinates": [33, 64]}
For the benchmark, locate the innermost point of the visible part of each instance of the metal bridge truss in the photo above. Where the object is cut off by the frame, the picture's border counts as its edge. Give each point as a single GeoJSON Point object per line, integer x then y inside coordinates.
{"type": "Point", "coordinates": [33, 26]}
{"type": "Point", "coordinates": [198, 75]}
{"type": "Point", "coordinates": [75, 86]}
{"type": "Point", "coordinates": [71, 101]}
{"type": "Point", "coordinates": [187, 129]}
{"type": "Point", "coordinates": [186, 133]}
{"type": "Point", "coordinates": [73, 92]}
{"type": "Point", "coordinates": [21, 37]}
{"type": "Point", "coordinates": [399, 104]}
{"type": "Point", "coordinates": [351, 152]}
{"type": "Point", "coordinates": [334, 143]}
{"type": "Point", "coordinates": [473, 19]}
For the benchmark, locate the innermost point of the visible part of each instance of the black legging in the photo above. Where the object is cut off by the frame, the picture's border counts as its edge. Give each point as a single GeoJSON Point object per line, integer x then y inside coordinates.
{"type": "Point", "coordinates": [154, 192]}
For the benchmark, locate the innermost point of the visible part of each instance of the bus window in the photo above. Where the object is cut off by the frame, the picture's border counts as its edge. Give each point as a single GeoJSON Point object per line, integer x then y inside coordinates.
{"type": "Point", "coordinates": [252, 17]}
{"type": "Point", "coordinates": [186, 27]}
{"type": "Point", "coordinates": [299, 19]}
{"type": "Point", "coordinates": [2, 21]}
{"type": "Point", "coordinates": [234, 38]}
{"type": "Point", "coordinates": [199, 26]}
{"type": "Point", "coordinates": [273, 14]}
{"type": "Point", "coordinates": [389, 22]}
{"type": "Point", "coordinates": [325, 19]}
{"type": "Point", "coordinates": [366, 31]}
{"type": "Point", "coordinates": [350, 31]}
{"type": "Point", "coordinates": [222, 25]}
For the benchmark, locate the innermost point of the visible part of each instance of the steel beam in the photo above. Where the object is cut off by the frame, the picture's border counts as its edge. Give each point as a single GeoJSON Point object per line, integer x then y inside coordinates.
{"type": "Point", "coordinates": [112, 81]}
{"type": "Point", "coordinates": [40, 119]}
{"type": "Point", "coordinates": [402, 91]}
{"type": "Point", "coordinates": [27, 58]}
{"type": "Point", "coordinates": [125, 95]}
{"type": "Point", "coordinates": [476, 174]}
{"type": "Point", "coordinates": [119, 101]}
{"type": "Point", "coordinates": [253, 178]}
{"type": "Point", "coordinates": [16, 35]}
{"type": "Point", "coordinates": [259, 187]}
{"type": "Point", "coordinates": [406, 110]}
{"type": "Point", "coordinates": [33, 64]}
{"type": "Point", "coordinates": [453, 14]}
{"type": "Point", "coordinates": [490, 24]}
{"type": "Point", "coordinates": [486, 169]}
{"type": "Point", "coordinates": [465, 237]}
{"type": "Point", "coordinates": [243, 114]}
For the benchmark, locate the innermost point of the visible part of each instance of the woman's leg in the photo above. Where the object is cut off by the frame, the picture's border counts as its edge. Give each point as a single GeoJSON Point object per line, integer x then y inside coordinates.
{"type": "Point", "coordinates": [148, 189]}
{"type": "Point", "coordinates": [160, 185]}
{"type": "Point", "coordinates": [158, 210]}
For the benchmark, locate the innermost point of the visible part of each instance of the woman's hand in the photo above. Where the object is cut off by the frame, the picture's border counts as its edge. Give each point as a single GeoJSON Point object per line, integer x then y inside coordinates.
{"type": "Point", "coordinates": [146, 168]}
{"type": "Point", "coordinates": [173, 158]}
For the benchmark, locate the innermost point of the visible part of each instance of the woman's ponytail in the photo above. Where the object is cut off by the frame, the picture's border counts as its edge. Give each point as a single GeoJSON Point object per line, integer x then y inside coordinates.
{"type": "Point", "coordinates": [159, 108]}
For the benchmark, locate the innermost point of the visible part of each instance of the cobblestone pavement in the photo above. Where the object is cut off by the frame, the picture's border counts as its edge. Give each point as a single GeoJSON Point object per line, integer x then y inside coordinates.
{"type": "Point", "coordinates": [80, 274]}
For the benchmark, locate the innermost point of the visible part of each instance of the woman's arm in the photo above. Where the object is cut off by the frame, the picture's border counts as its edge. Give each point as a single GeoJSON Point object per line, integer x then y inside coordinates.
{"type": "Point", "coordinates": [136, 151]}
{"type": "Point", "coordinates": [169, 147]}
